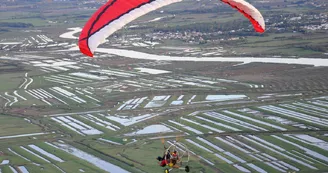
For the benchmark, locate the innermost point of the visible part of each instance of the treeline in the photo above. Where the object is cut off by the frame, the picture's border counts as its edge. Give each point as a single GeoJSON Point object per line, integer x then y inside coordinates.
{"type": "Point", "coordinates": [315, 47]}
{"type": "Point", "coordinates": [3, 30]}
{"type": "Point", "coordinates": [15, 25]}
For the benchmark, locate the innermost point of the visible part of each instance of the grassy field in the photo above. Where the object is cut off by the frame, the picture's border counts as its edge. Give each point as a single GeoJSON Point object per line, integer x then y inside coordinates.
{"type": "Point", "coordinates": [14, 126]}
{"type": "Point", "coordinates": [13, 80]}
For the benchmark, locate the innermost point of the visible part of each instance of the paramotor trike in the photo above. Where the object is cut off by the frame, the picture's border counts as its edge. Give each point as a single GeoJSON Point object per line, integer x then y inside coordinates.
{"type": "Point", "coordinates": [176, 156]}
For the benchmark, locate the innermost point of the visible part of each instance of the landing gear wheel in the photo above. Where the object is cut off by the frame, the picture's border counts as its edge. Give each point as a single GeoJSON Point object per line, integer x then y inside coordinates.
{"type": "Point", "coordinates": [166, 171]}
{"type": "Point", "coordinates": [187, 169]}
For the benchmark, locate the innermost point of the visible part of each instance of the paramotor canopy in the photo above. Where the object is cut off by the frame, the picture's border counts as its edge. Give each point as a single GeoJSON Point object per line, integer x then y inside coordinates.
{"type": "Point", "coordinates": [116, 13]}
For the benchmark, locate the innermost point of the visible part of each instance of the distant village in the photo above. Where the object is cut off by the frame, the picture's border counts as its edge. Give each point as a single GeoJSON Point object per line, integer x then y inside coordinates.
{"type": "Point", "coordinates": [275, 23]}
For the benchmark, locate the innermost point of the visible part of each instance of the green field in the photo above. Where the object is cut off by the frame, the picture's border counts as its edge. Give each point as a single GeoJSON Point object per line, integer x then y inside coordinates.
{"type": "Point", "coordinates": [14, 126]}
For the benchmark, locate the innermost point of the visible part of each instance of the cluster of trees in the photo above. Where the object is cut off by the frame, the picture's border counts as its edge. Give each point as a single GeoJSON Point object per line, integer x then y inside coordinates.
{"type": "Point", "coordinates": [15, 25]}
{"type": "Point", "coordinates": [315, 47]}
{"type": "Point", "coordinates": [5, 26]}
{"type": "Point", "coordinates": [3, 30]}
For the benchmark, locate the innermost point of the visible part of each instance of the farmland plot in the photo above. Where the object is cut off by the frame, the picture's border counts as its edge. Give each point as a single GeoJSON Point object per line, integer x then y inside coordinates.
{"type": "Point", "coordinates": [255, 120]}
{"type": "Point", "coordinates": [19, 155]}
{"type": "Point", "coordinates": [42, 156]}
{"type": "Point", "coordinates": [22, 169]}
{"type": "Point", "coordinates": [179, 125]}
{"type": "Point", "coordinates": [151, 63]}
{"type": "Point", "coordinates": [152, 71]}
{"type": "Point", "coordinates": [200, 125]}
{"type": "Point", "coordinates": [282, 152]}
{"type": "Point", "coordinates": [104, 165]}
{"type": "Point", "coordinates": [130, 120]}
{"type": "Point", "coordinates": [40, 95]}
{"type": "Point", "coordinates": [178, 101]}
{"type": "Point", "coordinates": [44, 96]}
{"type": "Point", "coordinates": [8, 101]}
{"type": "Point", "coordinates": [29, 155]}
{"type": "Point", "coordinates": [13, 126]}
{"type": "Point", "coordinates": [158, 83]}
{"type": "Point", "coordinates": [67, 94]}
{"type": "Point", "coordinates": [152, 129]}
{"type": "Point", "coordinates": [184, 82]}
{"type": "Point", "coordinates": [158, 101]}
{"type": "Point", "coordinates": [269, 160]}
{"type": "Point", "coordinates": [307, 151]}
{"type": "Point", "coordinates": [66, 79]}
{"type": "Point", "coordinates": [226, 156]}
{"type": "Point", "coordinates": [116, 73]}
{"type": "Point", "coordinates": [11, 99]}
{"type": "Point", "coordinates": [59, 65]}
{"type": "Point", "coordinates": [320, 103]}
{"type": "Point", "coordinates": [322, 122]}
{"type": "Point", "coordinates": [145, 83]}
{"type": "Point", "coordinates": [71, 162]}
{"type": "Point", "coordinates": [236, 122]}
{"type": "Point", "coordinates": [132, 104]}
{"type": "Point", "coordinates": [49, 158]}
{"type": "Point", "coordinates": [19, 96]}
{"type": "Point", "coordinates": [22, 135]}
{"type": "Point", "coordinates": [13, 169]}
{"type": "Point", "coordinates": [202, 81]}
{"type": "Point", "coordinates": [199, 79]}
{"type": "Point", "coordinates": [305, 110]}
{"type": "Point", "coordinates": [281, 120]}
{"type": "Point", "coordinates": [45, 153]}
{"type": "Point", "coordinates": [89, 76]}
{"type": "Point", "coordinates": [76, 125]}
{"type": "Point", "coordinates": [84, 92]}
{"type": "Point", "coordinates": [310, 140]}
{"type": "Point", "coordinates": [217, 123]}
{"type": "Point", "coordinates": [100, 122]}
{"type": "Point", "coordinates": [109, 141]}
{"type": "Point", "coordinates": [312, 106]}
{"type": "Point", "coordinates": [27, 82]}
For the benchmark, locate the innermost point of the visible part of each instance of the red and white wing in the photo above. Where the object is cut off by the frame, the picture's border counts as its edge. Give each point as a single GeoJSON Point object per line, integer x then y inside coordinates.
{"type": "Point", "coordinates": [113, 16]}
{"type": "Point", "coordinates": [250, 12]}
{"type": "Point", "coordinates": [116, 13]}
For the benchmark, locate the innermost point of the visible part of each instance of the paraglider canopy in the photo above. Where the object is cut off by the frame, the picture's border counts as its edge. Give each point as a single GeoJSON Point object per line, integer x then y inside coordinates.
{"type": "Point", "coordinates": [250, 12]}
{"type": "Point", "coordinates": [117, 13]}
